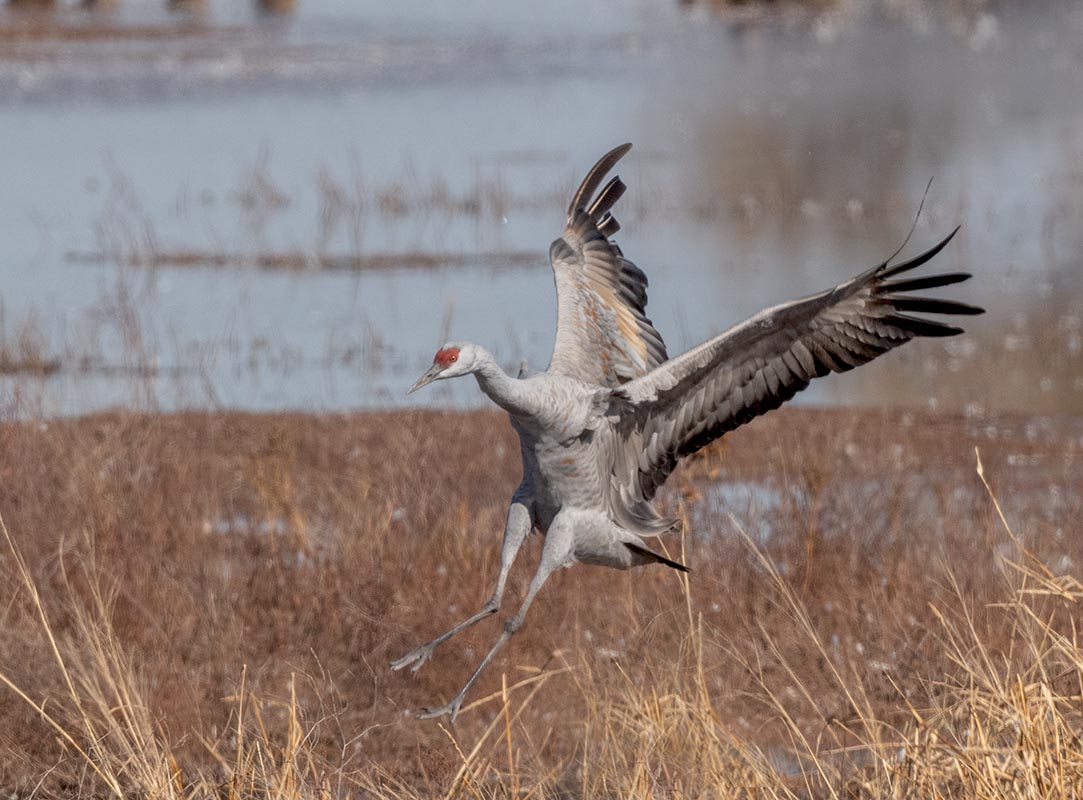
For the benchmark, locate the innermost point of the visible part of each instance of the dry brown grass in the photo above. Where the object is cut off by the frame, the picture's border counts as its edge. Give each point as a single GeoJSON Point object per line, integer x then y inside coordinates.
{"type": "Point", "coordinates": [205, 604]}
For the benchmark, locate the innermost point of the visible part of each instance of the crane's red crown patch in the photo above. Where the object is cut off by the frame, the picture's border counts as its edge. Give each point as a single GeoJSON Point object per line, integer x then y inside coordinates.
{"type": "Point", "coordinates": [446, 357]}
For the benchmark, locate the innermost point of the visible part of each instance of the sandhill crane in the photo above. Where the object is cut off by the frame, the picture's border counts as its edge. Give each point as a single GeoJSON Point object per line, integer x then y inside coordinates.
{"type": "Point", "coordinates": [604, 426]}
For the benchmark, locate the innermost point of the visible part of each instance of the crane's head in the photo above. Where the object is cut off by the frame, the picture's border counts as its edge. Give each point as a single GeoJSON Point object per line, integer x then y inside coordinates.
{"type": "Point", "coordinates": [451, 361]}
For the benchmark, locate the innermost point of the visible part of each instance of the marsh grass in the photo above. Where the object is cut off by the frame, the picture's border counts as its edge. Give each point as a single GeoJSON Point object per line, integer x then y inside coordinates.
{"type": "Point", "coordinates": [204, 605]}
{"type": "Point", "coordinates": [24, 347]}
{"type": "Point", "coordinates": [297, 260]}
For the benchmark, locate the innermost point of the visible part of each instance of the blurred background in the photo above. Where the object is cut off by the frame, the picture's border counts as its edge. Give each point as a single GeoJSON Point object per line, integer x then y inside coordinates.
{"type": "Point", "coordinates": [290, 205]}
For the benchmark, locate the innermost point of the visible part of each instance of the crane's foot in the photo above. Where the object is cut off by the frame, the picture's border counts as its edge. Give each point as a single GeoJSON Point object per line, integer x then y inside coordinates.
{"type": "Point", "coordinates": [417, 657]}
{"type": "Point", "coordinates": [451, 709]}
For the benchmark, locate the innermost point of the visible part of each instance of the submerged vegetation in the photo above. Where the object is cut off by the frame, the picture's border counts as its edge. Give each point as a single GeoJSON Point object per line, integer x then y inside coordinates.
{"type": "Point", "coordinates": [206, 604]}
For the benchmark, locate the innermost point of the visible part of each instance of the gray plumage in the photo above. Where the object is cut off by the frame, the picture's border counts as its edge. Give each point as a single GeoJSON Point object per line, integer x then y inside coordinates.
{"type": "Point", "coordinates": [609, 420]}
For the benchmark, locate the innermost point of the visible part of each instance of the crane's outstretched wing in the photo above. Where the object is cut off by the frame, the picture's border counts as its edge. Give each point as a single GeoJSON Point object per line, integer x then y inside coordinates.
{"type": "Point", "coordinates": [603, 334]}
{"type": "Point", "coordinates": [754, 367]}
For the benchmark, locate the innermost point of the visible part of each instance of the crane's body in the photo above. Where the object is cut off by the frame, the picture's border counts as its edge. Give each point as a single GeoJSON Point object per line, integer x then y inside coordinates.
{"type": "Point", "coordinates": [568, 464]}
{"type": "Point", "coordinates": [609, 420]}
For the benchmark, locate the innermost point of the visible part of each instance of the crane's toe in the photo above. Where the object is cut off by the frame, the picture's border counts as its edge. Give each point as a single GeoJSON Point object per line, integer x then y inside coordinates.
{"type": "Point", "coordinates": [451, 709]}
{"type": "Point", "coordinates": [416, 657]}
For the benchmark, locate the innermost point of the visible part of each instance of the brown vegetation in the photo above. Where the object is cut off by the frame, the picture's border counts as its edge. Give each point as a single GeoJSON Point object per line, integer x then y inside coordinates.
{"type": "Point", "coordinates": [65, 25]}
{"type": "Point", "coordinates": [24, 348]}
{"type": "Point", "coordinates": [206, 603]}
{"type": "Point", "coordinates": [306, 261]}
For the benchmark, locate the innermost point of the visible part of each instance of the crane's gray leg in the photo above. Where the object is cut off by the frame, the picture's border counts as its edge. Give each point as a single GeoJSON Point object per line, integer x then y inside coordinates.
{"type": "Point", "coordinates": [516, 530]}
{"type": "Point", "coordinates": [559, 545]}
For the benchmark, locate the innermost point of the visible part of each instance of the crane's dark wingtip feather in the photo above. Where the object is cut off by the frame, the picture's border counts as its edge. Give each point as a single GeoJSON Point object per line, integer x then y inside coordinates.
{"type": "Point", "coordinates": [608, 226]}
{"type": "Point", "coordinates": [923, 327]}
{"type": "Point", "coordinates": [607, 198]}
{"type": "Point", "coordinates": [924, 282]}
{"type": "Point", "coordinates": [596, 175]}
{"type": "Point", "coordinates": [931, 305]}
{"type": "Point", "coordinates": [886, 271]}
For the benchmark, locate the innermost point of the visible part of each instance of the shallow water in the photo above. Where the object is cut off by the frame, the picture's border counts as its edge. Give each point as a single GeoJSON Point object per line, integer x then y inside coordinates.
{"type": "Point", "coordinates": [773, 158]}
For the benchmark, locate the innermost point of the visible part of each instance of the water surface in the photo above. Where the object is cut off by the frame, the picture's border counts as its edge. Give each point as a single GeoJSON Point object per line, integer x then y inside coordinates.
{"type": "Point", "coordinates": [773, 158]}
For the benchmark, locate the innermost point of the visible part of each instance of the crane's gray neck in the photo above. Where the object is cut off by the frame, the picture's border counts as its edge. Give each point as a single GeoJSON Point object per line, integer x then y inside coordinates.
{"type": "Point", "coordinates": [507, 392]}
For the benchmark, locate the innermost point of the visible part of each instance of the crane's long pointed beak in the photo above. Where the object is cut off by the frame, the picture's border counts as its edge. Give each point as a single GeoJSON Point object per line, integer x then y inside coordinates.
{"type": "Point", "coordinates": [426, 379]}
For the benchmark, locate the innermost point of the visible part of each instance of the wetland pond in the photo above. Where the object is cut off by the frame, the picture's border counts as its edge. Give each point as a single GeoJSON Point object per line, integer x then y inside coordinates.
{"type": "Point", "coordinates": [220, 210]}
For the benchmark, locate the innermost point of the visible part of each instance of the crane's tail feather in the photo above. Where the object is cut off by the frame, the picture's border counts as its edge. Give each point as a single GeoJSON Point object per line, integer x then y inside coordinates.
{"type": "Point", "coordinates": [650, 556]}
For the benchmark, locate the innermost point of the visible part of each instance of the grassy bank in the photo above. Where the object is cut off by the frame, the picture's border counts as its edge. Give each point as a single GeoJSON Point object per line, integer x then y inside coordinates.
{"type": "Point", "coordinates": [205, 604]}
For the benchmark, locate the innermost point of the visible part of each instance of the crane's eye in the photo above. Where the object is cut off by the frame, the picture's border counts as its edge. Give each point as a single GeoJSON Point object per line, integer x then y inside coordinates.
{"type": "Point", "coordinates": [453, 359]}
